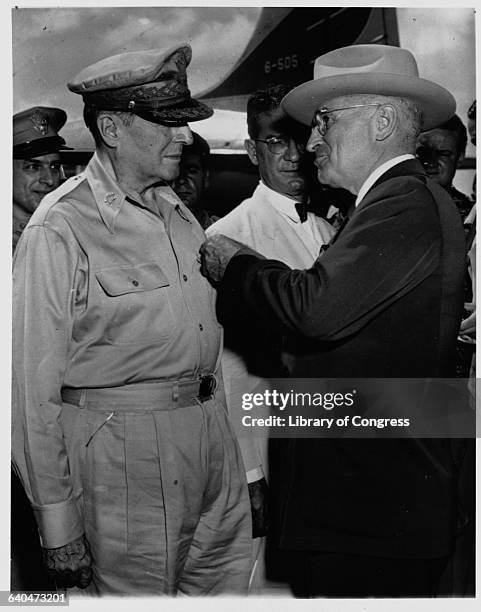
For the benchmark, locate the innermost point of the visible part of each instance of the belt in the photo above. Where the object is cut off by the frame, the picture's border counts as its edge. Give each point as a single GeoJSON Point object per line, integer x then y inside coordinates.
{"type": "Point", "coordinates": [154, 396]}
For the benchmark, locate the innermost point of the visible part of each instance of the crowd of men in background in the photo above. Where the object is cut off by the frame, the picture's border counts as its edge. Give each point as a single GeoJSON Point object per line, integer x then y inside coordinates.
{"type": "Point", "coordinates": [122, 370]}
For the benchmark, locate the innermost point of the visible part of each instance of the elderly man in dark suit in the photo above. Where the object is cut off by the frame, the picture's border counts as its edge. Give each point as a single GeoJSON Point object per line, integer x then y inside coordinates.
{"type": "Point", "coordinates": [365, 517]}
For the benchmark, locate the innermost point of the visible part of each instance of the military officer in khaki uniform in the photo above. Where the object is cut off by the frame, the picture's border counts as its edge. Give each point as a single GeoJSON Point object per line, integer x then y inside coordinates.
{"type": "Point", "coordinates": [120, 431]}
{"type": "Point", "coordinates": [36, 172]}
{"type": "Point", "coordinates": [36, 161]}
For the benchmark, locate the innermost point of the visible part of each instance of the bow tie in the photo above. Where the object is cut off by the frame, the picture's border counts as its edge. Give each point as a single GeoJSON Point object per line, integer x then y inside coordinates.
{"type": "Point", "coordinates": [301, 208]}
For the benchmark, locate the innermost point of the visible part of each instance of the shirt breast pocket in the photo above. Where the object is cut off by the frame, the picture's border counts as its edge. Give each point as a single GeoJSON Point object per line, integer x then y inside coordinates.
{"type": "Point", "coordinates": [136, 304]}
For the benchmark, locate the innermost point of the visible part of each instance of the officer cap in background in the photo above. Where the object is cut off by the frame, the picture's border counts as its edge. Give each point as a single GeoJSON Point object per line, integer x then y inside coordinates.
{"type": "Point", "coordinates": [35, 132]}
{"type": "Point", "coordinates": [151, 84]}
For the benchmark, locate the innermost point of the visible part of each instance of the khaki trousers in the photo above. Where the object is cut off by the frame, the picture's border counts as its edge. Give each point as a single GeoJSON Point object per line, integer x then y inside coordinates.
{"type": "Point", "coordinates": [161, 488]}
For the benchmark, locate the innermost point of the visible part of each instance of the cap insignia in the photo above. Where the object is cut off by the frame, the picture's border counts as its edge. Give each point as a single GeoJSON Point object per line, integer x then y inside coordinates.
{"type": "Point", "coordinates": [40, 122]}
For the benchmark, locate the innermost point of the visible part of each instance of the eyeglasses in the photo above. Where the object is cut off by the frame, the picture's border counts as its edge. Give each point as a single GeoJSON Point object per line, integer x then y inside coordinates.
{"type": "Point", "coordinates": [322, 121]}
{"type": "Point", "coordinates": [279, 144]}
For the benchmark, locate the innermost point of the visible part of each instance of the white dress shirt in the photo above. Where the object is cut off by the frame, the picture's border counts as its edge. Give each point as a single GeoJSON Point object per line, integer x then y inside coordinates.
{"type": "Point", "coordinates": [269, 223]}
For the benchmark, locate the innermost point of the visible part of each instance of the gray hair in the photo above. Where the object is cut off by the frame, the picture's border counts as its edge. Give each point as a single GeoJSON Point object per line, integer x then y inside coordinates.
{"type": "Point", "coordinates": [90, 118]}
{"type": "Point", "coordinates": [411, 116]}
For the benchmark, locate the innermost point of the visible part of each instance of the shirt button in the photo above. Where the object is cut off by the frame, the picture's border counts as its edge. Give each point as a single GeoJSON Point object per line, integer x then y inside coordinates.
{"type": "Point", "coordinates": [184, 277]}
{"type": "Point", "coordinates": [201, 327]}
{"type": "Point", "coordinates": [135, 283]}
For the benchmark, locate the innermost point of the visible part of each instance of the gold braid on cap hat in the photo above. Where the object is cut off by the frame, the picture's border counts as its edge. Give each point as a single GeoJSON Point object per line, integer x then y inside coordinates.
{"type": "Point", "coordinates": [170, 91]}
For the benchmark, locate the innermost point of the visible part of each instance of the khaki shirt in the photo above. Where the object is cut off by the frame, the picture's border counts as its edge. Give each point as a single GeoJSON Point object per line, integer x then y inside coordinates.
{"type": "Point", "coordinates": [107, 291]}
{"type": "Point", "coordinates": [19, 223]}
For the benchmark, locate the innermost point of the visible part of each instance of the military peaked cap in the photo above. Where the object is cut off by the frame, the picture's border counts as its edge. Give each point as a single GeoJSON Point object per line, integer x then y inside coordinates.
{"type": "Point", "coordinates": [151, 84]}
{"type": "Point", "coordinates": [35, 132]}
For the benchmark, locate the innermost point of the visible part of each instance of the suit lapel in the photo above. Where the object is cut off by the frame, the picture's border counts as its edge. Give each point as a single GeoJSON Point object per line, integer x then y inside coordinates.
{"type": "Point", "coordinates": [408, 167]}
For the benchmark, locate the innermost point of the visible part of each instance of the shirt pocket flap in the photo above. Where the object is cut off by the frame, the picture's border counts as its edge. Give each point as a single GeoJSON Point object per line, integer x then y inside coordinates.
{"type": "Point", "coordinates": [130, 279]}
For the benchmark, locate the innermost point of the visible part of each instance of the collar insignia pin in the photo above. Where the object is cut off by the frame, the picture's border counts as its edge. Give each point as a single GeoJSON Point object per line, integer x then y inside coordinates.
{"type": "Point", "coordinates": [110, 198]}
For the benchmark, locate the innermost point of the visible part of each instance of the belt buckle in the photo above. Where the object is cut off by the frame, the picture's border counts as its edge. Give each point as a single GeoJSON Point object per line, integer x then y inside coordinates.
{"type": "Point", "coordinates": [207, 387]}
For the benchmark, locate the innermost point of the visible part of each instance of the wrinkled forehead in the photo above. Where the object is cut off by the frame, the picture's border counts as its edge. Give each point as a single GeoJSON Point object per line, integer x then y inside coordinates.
{"type": "Point", "coordinates": [278, 122]}
{"type": "Point", "coordinates": [270, 119]}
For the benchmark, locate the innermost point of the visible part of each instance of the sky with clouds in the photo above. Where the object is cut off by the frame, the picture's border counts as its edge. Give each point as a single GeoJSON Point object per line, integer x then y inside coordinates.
{"type": "Point", "coordinates": [51, 45]}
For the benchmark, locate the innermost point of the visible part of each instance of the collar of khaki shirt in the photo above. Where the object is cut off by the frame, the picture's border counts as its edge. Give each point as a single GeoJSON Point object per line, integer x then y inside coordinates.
{"type": "Point", "coordinates": [110, 197]}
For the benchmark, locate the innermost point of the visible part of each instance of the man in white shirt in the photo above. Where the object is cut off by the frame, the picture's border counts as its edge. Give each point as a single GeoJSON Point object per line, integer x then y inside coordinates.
{"type": "Point", "coordinates": [274, 222]}
{"type": "Point", "coordinates": [269, 221]}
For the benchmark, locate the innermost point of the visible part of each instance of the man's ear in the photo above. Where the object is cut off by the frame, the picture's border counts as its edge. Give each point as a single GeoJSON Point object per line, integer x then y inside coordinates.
{"type": "Point", "coordinates": [250, 147]}
{"type": "Point", "coordinates": [386, 119]}
{"type": "Point", "coordinates": [108, 126]}
{"type": "Point", "coordinates": [460, 159]}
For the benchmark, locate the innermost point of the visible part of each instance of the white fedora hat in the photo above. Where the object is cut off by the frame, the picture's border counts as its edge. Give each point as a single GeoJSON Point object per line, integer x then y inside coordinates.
{"type": "Point", "coordinates": [369, 69]}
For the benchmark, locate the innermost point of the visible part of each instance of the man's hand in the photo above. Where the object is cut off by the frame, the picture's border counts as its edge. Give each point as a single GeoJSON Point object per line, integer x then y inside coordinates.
{"type": "Point", "coordinates": [258, 492]}
{"type": "Point", "coordinates": [216, 252]}
{"type": "Point", "coordinates": [468, 325]}
{"type": "Point", "coordinates": [69, 565]}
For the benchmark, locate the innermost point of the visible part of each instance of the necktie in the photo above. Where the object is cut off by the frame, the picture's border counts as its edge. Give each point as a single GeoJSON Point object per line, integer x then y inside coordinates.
{"type": "Point", "coordinates": [301, 208]}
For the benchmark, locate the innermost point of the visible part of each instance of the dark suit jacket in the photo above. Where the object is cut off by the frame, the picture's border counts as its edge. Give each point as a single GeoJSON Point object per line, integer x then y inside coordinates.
{"type": "Point", "coordinates": [385, 300]}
